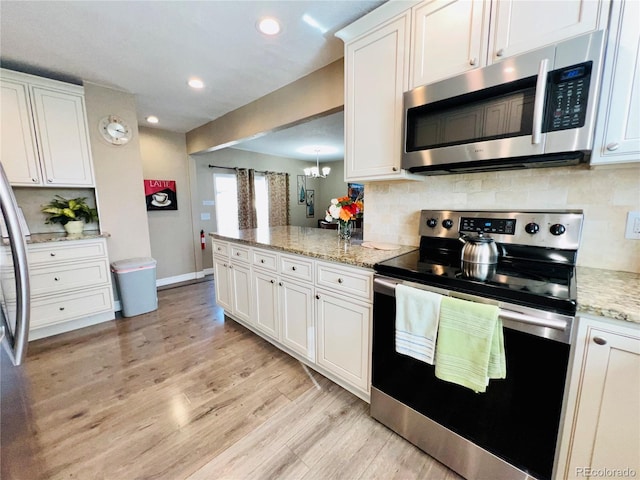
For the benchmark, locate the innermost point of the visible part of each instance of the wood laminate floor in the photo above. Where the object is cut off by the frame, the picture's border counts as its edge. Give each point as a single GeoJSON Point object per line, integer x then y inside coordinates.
{"type": "Point", "coordinates": [183, 393]}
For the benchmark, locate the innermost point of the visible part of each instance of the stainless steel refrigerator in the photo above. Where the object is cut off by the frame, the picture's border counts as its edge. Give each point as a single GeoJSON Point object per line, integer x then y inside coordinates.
{"type": "Point", "coordinates": [19, 455]}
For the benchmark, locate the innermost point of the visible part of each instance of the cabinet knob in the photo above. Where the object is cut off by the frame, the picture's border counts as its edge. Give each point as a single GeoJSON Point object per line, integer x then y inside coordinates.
{"type": "Point", "coordinates": [500, 52]}
{"type": "Point", "coordinates": [600, 340]}
{"type": "Point", "coordinates": [262, 260]}
{"type": "Point", "coordinates": [272, 281]}
{"type": "Point", "coordinates": [317, 297]}
{"type": "Point", "coordinates": [293, 268]}
{"type": "Point", "coordinates": [230, 266]}
{"type": "Point", "coordinates": [340, 280]}
{"type": "Point", "coordinates": [57, 279]}
{"type": "Point", "coordinates": [224, 265]}
{"type": "Point", "coordinates": [52, 254]}
{"type": "Point", "coordinates": [280, 283]}
{"type": "Point", "coordinates": [473, 61]}
{"type": "Point", "coordinates": [34, 180]}
{"type": "Point", "coordinates": [237, 254]}
{"type": "Point", "coordinates": [50, 180]}
{"type": "Point", "coordinates": [61, 309]}
{"type": "Point", "coordinates": [395, 169]}
{"type": "Point", "coordinates": [219, 249]}
{"type": "Point", "coordinates": [612, 147]}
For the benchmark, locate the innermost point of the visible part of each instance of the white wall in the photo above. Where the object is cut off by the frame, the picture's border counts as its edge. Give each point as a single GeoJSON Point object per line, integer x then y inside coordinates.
{"type": "Point", "coordinates": [392, 209]}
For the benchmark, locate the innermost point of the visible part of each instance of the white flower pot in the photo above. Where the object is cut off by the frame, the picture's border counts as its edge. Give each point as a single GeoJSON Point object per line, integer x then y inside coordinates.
{"type": "Point", "coordinates": [75, 227]}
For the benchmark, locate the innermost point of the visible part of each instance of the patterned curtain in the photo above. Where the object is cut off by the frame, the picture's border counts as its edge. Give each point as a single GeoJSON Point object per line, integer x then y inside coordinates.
{"type": "Point", "coordinates": [246, 199]}
{"type": "Point", "coordinates": [278, 184]}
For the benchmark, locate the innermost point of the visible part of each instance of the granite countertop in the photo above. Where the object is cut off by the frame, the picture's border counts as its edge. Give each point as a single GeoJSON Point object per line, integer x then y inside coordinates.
{"type": "Point", "coordinates": [64, 237]}
{"type": "Point", "coordinates": [312, 242]}
{"type": "Point", "coordinates": [609, 293]}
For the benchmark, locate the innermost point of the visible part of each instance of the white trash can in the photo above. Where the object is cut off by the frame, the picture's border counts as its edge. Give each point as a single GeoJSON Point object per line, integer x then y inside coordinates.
{"type": "Point", "coordinates": [136, 283]}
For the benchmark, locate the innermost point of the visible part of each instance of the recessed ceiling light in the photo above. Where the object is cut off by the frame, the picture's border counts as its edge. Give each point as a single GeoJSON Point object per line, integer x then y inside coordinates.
{"type": "Point", "coordinates": [152, 119]}
{"type": "Point", "coordinates": [196, 83]}
{"type": "Point", "coordinates": [317, 149]}
{"type": "Point", "coordinates": [269, 26]}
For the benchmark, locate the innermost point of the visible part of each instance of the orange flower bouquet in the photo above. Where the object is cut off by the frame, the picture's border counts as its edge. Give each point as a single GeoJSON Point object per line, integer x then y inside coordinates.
{"type": "Point", "coordinates": [344, 209]}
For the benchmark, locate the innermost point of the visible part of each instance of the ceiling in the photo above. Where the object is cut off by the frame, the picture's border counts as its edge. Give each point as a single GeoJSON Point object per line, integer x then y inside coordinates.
{"type": "Point", "coordinates": [151, 49]}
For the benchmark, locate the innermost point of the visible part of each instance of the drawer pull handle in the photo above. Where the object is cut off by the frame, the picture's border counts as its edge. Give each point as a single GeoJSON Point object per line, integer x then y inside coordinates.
{"type": "Point", "coordinates": [293, 268]}
{"type": "Point", "coordinates": [61, 309]}
{"type": "Point", "coordinates": [600, 340]}
{"type": "Point", "coordinates": [339, 280]}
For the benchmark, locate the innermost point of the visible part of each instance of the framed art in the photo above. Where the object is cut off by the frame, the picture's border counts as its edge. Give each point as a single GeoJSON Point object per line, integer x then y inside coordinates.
{"type": "Point", "coordinates": [310, 201]}
{"type": "Point", "coordinates": [302, 189]}
{"type": "Point", "coordinates": [355, 191]}
{"type": "Point", "coordinates": [160, 194]}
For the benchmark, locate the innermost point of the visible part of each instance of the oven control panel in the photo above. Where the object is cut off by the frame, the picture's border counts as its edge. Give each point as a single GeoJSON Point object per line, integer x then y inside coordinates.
{"type": "Point", "coordinates": [552, 229]}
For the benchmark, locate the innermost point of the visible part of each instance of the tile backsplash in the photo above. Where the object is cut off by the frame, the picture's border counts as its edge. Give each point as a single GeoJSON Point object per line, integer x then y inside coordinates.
{"type": "Point", "coordinates": [605, 196]}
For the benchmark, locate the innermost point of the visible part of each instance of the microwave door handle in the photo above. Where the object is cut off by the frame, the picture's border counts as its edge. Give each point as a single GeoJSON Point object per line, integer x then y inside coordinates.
{"type": "Point", "coordinates": [538, 106]}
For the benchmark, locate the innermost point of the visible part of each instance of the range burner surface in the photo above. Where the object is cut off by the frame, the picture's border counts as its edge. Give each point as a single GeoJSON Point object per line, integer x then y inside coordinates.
{"type": "Point", "coordinates": [534, 269]}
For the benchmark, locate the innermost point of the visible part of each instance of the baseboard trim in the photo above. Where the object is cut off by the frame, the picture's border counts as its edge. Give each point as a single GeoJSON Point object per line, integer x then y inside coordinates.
{"type": "Point", "coordinates": [185, 277]}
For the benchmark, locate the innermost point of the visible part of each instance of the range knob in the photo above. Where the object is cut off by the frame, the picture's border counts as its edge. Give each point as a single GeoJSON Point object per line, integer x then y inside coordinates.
{"type": "Point", "coordinates": [432, 222]}
{"type": "Point", "coordinates": [557, 229]}
{"type": "Point", "coordinates": [448, 223]}
{"type": "Point", "coordinates": [532, 228]}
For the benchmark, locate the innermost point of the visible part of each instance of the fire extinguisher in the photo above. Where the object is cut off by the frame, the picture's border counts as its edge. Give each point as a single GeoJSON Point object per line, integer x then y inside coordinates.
{"type": "Point", "coordinates": [203, 242]}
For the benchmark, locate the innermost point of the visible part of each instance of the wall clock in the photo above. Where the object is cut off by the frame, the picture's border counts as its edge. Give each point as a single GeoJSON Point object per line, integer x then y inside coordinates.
{"type": "Point", "coordinates": [115, 130]}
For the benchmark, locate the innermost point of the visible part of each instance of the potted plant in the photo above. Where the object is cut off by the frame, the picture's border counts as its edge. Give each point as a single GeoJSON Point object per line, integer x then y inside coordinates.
{"type": "Point", "coordinates": [70, 213]}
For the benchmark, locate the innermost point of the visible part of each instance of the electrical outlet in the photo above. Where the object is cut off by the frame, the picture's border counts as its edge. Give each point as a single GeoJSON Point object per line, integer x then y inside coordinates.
{"type": "Point", "coordinates": [633, 226]}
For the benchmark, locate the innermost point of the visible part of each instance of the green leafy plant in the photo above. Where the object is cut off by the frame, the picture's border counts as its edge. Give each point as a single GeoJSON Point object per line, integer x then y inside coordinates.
{"type": "Point", "coordinates": [62, 210]}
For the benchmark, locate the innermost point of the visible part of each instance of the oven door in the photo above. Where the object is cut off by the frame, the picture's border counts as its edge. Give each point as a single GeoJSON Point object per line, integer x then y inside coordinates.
{"type": "Point", "coordinates": [510, 431]}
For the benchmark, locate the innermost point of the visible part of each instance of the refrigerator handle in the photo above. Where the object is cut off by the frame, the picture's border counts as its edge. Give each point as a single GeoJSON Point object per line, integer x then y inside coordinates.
{"type": "Point", "coordinates": [18, 338]}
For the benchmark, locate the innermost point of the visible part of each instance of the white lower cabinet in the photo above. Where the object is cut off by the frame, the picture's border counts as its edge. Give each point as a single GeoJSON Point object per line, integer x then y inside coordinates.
{"type": "Point", "coordinates": [291, 301]}
{"type": "Point", "coordinates": [343, 337]}
{"type": "Point", "coordinates": [71, 286]}
{"type": "Point", "coordinates": [601, 434]}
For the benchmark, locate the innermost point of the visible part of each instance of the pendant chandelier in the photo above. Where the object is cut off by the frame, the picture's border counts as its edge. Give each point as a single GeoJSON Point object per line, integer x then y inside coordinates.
{"type": "Point", "coordinates": [314, 172]}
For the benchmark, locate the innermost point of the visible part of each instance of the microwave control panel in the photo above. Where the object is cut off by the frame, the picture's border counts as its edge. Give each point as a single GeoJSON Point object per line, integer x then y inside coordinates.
{"type": "Point", "coordinates": [568, 92]}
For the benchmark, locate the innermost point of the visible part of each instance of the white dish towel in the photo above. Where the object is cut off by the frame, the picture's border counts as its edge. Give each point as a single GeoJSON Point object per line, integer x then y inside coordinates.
{"type": "Point", "coordinates": [417, 318]}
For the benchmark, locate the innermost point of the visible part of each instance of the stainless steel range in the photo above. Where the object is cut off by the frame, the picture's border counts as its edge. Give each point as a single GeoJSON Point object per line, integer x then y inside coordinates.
{"type": "Point", "coordinates": [523, 262]}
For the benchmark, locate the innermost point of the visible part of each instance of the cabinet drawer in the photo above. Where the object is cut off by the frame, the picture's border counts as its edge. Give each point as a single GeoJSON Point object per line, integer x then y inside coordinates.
{"type": "Point", "coordinates": [68, 277]}
{"type": "Point", "coordinates": [64, 251]}
{"type": "Point", "coordinates": [265, 259]}
{"type": "Point", "coordinates": [220, 249]}
{"type": "Point", "coordinates": [296, 267]}
{"type": "Point", "coordinates": [345, 280]}
{"type": "Point", "coordinates": [239, 253]}
{"type": "Point", "coordinates": [60, 308]}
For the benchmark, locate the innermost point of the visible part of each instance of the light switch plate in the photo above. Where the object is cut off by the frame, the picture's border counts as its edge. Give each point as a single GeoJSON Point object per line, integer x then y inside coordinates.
{"type": "Point", "coordinates": [633, 226]}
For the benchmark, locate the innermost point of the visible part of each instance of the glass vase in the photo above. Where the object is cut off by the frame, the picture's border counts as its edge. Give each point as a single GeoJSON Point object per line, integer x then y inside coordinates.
{"type": "Point", "coordinates": [344, 229]}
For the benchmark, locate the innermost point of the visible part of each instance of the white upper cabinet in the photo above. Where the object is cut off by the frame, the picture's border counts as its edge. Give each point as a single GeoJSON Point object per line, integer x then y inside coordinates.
{"type": "Point", "coordinates": [519, 26]}
{"type": "Point", "coordinates": [44, 132]}
{"type": "Point", "coordinates": [447, 39]}
{"type": "Point", "coordinates": [617, 138]}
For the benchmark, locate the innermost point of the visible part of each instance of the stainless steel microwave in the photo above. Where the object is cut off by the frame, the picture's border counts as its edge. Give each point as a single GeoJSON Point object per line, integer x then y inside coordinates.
{"type": "Point", "coordinates": [532, 110]}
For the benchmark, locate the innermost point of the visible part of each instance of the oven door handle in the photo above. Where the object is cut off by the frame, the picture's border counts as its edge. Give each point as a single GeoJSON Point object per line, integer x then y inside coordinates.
{"type": "Point", "coordinates": [387, 286]}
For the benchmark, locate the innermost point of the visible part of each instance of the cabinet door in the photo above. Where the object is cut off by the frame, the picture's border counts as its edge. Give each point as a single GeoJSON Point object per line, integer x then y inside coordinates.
{"type": "Point", "coordinates": [618, 127]}
{"type": "Point", "coordinates": [241, 287]}
{"type": "Point", "coordinates": [224, 292]}
{"type": "Point", "coordinates": [343, 338]}
{"type": "Point", "coordinates": [376, 77]}
{"type": "Point", "coordinates": [519, 26]}
{"type": "Point", "coordinates": [296, 311]}
{"type": "Point", "coordinates": [19, 151]}
{"type": "Point", "coordinates": [265, 297]}
{"type": "Point", "coordinates": [606, 429]}
{"type": "Point", "coordinates": [447, 38]}
{"type": "Point", "coordinates": [62, 133]}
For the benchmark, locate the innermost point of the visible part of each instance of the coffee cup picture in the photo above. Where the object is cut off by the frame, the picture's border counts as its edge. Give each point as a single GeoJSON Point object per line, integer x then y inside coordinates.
{"type": "Point", "coordinates": [160, 197]}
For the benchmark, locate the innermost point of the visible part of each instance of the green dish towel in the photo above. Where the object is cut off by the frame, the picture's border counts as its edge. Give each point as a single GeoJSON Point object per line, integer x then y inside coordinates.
{"type": "Point", "coordinates": [470, 345]}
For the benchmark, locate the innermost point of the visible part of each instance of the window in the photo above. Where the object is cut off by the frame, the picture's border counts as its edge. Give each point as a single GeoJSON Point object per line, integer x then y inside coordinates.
{"type": "Point", "coordinates": [226, 199]}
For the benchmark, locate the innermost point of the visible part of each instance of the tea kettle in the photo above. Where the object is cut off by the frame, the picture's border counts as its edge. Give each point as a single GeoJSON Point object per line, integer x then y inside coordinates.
{"type": "Point", "coordinates": [479, 249]}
